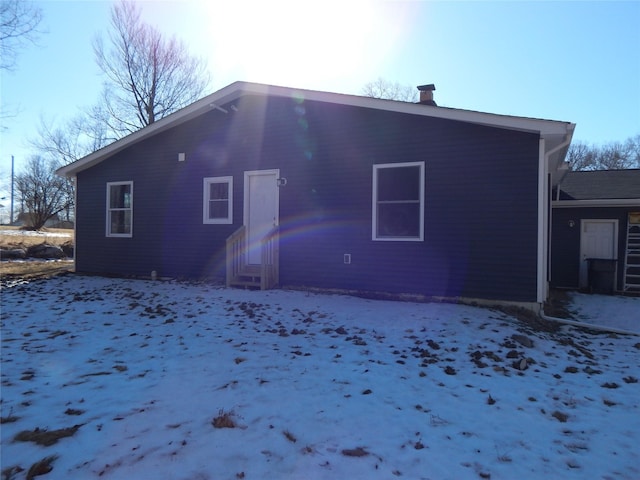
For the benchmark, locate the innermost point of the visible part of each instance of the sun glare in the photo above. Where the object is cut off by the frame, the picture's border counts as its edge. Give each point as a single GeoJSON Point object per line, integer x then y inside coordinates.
{"type": "Point", "coordinates": [290, 42]}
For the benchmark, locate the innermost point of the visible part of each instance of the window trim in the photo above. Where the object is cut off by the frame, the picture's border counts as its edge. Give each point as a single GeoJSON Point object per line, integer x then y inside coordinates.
{"type": "Point", "coordinates": [374, 202]}
{"type": "Point", "coordinates": [206, 183]}
{"type": "Point", "coordinates": [108, 231]}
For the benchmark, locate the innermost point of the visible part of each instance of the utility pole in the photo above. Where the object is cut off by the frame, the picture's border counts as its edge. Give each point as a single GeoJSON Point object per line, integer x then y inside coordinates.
{"type": "Point", "coordinates": [11, 217]}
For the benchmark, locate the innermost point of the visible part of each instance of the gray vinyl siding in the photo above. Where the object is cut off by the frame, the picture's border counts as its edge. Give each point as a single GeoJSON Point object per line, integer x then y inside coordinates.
{"type": "Point", "coordinates": [480, 200]}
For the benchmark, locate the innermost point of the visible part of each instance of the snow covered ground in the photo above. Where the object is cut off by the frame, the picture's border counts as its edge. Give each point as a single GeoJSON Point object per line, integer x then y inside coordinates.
{"type": "Point", "coordinates": [34, 233]}
{"type": "Point", "coordinates": [140, 379]}
{"type": "Point", "coordinates": [621, 313]}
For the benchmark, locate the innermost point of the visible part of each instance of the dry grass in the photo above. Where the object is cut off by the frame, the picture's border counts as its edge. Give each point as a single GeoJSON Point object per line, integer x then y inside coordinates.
{"type": "Point", "coordinates": [561, 417]}
{"type": "Point", "coordinates": [41, 467]}
{"type": "Point", "coordinates": [355, 452]}
{"type": "Point", "coordinates": [9, 419]}
{"type": "Point", "coordinates": [45, 437]}
{"type": "Point", "coordinates": [224, 420]}
{"type": "Point", "coordinates": [27, 239]}
{"type": "Point", "coordinates": [34, 269]}
{"type": "Point", "coordinates": [290, 436]}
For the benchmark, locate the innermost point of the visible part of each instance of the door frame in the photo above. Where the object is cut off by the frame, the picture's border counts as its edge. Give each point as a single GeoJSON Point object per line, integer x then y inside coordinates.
{"type": "Point", "coordinates": [583, 267]}
{"type": "Point", "coordinates": [247, 181]}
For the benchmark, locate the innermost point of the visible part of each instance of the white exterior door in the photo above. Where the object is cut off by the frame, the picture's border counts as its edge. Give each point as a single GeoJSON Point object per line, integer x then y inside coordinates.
{"type": "Point", "coordinates": [598, 239]}
{"type": "Point", "coordinates": [261, 206]}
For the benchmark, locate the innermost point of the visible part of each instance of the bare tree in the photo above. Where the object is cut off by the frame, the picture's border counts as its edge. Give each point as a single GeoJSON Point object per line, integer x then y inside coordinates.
{"type": "Point", "coordinates": [19, 20]}
{"type": "Point", "coordinates": [66, 143]}
{"type": "Point", "coordinates": [382, 88]}
{"type": "Point", "coordinates": [611, 156]}
{"type": "Point", "coordinates": [580, 156]}
{"type": "Point", "coordinates": [74, 139]}
{"type": "Point", "coordinates": [43, 193]}
{"type": "Point", "coordinates": [148, 76]}
{"type": "Point", "coordinates": [632, 151]}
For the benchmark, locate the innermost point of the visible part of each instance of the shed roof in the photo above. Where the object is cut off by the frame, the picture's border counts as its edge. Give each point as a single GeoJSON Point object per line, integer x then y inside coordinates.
{"type": "Point", "coordinates": [557, 134]}
{"type": "Point", "coordinates": [601, 185]}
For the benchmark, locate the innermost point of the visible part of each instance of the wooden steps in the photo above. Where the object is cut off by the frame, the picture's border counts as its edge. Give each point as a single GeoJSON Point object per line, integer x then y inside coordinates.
{"type": "Point", "coordinates": [249, 276]}
{"type": "Point", "coordinates": [263, 276]}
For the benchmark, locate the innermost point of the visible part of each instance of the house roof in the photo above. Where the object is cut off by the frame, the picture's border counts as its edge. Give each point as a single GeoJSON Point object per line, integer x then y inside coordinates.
{"type": "Point", "coordinates": [557, 134]}
{"type": "Point", "coordinates": [600, 185]}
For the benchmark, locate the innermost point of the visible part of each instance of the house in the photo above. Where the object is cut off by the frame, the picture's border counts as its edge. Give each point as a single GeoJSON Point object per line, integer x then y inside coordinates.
{"type": "Point", "coordinates": [266, 185]}
{"type": "Point", "coordinates": [596, 215]}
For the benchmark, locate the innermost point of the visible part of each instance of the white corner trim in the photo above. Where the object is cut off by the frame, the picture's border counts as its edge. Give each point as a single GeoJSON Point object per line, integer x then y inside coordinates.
{"type": "Point", "coordinates": [543, 224]}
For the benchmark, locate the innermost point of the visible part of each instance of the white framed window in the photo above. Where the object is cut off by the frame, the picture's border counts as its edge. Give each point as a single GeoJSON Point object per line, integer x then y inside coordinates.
{"type": "Point", "coordinates": [398, 202]}
{"type": "Point", "coordinates": [119, 209]}
{"type": "Point", "coordinates": [217, 198]}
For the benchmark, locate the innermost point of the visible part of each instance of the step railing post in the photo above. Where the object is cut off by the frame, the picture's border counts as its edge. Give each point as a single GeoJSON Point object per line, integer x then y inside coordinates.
{"type": "Point", "coordinates": [235, 254]}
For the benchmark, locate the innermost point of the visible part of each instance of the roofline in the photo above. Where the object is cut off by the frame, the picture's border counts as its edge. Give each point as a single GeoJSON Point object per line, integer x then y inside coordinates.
{"type": "Point", "coordinates": [546, 128]}
{"type": "Point", "coordinates": [607, 171]}
{"type": "Point", "coordinates": [606, 202]}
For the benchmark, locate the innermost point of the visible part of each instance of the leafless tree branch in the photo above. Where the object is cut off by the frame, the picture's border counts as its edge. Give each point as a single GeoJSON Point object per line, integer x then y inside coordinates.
{"type": "Point", "coordinates": [19, 21]}
{"type": "Point", "coordinates": [611, 156]}
{"type": "Point", "coordinates": [43, 193]}
{"type": "Point", "coordinates": [381, 88]}
{"type": "Point", "coordinates": [147, 76]}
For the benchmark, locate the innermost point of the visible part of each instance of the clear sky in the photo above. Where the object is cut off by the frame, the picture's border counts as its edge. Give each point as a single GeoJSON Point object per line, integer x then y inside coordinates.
{"type": "Point", "coordinates": [572, 61]}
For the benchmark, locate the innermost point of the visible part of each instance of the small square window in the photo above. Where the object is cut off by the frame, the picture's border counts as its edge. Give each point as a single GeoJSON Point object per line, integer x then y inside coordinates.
{"type": "Point", "coordinates": [119, 209]}
{"type": "Point", "coordinates": [218, 200]}
{"type": "Point", "coordinates": [398, 201]}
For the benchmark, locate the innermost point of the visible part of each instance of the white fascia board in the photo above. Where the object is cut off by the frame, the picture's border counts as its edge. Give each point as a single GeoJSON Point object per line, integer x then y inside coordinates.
{"type": "Point", "coordinates": [196, 109]}
{"type": "Point", "coordinates": [542, 126]}
{"type": "Point", "coordinates": [607, 203]}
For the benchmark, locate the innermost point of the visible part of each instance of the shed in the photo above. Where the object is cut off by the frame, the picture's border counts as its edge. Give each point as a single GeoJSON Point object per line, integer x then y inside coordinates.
{"type": "Point", "coordinates": [596, 216]}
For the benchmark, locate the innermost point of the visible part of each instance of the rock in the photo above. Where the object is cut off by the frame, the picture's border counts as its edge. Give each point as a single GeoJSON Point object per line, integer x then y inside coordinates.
{"type": "Point", "coordinates": [522, 340]}
{"type": "Point", "coordinates": [68, 249]}
{"type": "Point", "coordinates": [520, 364]}
{"type": "Point", "coordinates": [13, 254]}
{"type": "Point", "coordinates": [45, 250]}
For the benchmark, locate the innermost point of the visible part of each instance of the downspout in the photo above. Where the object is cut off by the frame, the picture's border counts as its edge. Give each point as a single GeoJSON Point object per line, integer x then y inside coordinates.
{"type": "Point", "coordinates": [542, 253]}
{"type": "Point", "coordinates": [589, 326]}
{"type": "Point", "coordinates": [544, 221]}
{"type": "Point", "coordinates": [75, 220]}
{"type": "Point", "coordinates": [565, 167]}
{"type": "Point", "coordinates": [541, 313]}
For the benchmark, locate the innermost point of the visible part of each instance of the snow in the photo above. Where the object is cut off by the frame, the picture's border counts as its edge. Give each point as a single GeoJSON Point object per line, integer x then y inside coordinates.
{"type": "Point", "coordinates": [310, 381]}
{"type": "Point", "coordinates": [622, 313]}
{"type": "Point", "coordinates": [35, 233]}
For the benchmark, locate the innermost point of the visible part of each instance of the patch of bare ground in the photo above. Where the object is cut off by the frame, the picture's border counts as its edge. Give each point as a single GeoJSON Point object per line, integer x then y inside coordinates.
{"type": "Point", "coordinates": [224, 420]}
{"type": "Point", "coordinates": [10, 473]}
{"type": "Point", "coordinates": [41, 467]}
{"type": "Point", "coordinates": [9, 419]}
{"type": "Point", "coordinates": [530, 318]}
{"type": "Point", "coordinates": [45, 437]}
{"type": "Point", "coordinates": [355, 452]}
{"type": "Point", "coordinates": [557, 304]}
{"type": "Point", "coordinates": [34, 269]}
